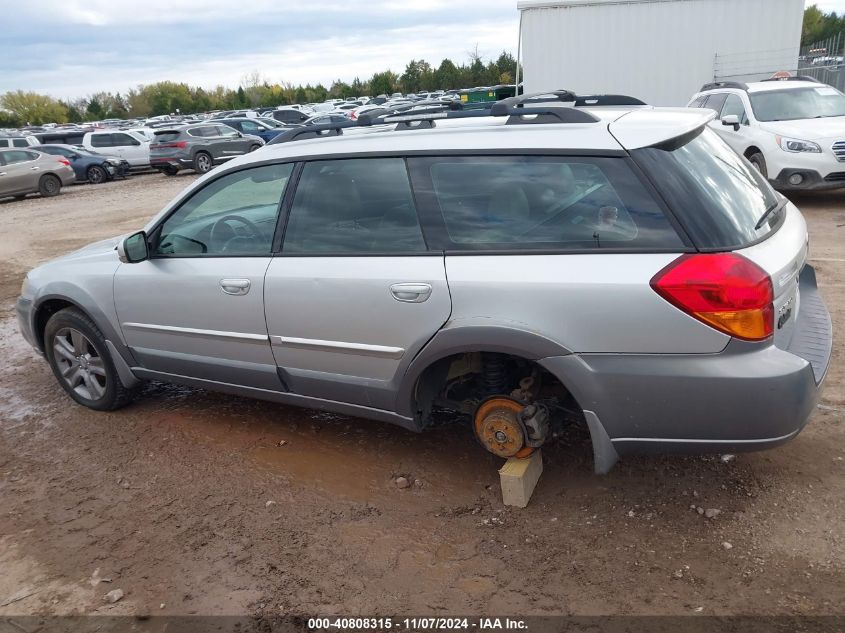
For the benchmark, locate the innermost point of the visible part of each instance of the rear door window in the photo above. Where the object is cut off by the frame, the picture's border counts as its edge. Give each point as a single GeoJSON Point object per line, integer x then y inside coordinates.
{"type": "Point", "coordinates": [101, 140]}
{"type": "Point", "coordinates": [353, 206]}
{"type": "Point", "coordinates": [538, 202]}
{"type": "Point", "coordinates": [20, 142]}
{"type": "Point", "coordinates": [18, 156]}
{"type": "Point", "coordinates": [225, 131]}
{"type": "Point", "coordinates": [120, 139]}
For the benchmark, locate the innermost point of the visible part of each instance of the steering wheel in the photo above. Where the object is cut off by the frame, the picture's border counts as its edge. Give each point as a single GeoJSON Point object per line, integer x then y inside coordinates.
{"type": "Point", "coordinates": [215, 239]}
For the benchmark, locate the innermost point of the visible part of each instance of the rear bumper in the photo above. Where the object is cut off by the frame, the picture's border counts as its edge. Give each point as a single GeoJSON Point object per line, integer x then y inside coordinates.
{"type": "Point", "coordinates": [747, 397]}
{"type": "Point", "coordinates": [180, 162]}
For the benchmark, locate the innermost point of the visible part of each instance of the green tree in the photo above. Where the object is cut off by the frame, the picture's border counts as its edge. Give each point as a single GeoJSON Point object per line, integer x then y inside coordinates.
{"type": "Point", "coordinates": [415, 72]}
{"type": "Point", "coordinates": [33, 108]}
{"type": "Point", "coordinates": [9, 119]}
{"type": "Point", "coordinates": [820, 26]}
{"type": "Point", "coordinates": [340, 90]}
{"type": "Point", "coordinates": [95, 109]}
{"type": "Point", "coordinates": [447, 76]}
{"type": "Point", "coordinates": [137, 102]}
{"type": "Point", "coordinates": [383, 83]}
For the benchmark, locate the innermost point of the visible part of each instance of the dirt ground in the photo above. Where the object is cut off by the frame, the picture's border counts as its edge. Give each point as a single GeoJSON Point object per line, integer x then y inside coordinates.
{"type": "Point", "coordinates": [192, 502]}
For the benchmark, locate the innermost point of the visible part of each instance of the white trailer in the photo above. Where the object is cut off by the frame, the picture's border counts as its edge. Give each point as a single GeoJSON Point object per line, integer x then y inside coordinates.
{"type": "Point", "coordinates": [660, 51]}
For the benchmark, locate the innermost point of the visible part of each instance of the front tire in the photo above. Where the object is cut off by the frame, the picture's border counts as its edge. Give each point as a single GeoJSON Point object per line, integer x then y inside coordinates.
{"type": "Point", "coordinates": [758, 160]}
{"type": "Point", "coordinates": [49, 186]}
{"type": "Point", "coordinates": [203, 163]}
{"type": "Point", "coordinates": [252, 148]}
{"type": "Point", "coordinates": [96, 175]}
{"type": "Point", "coordinates": [79, 358]}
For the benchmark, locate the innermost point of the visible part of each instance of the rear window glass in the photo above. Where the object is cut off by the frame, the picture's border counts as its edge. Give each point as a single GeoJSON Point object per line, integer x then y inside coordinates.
{"type": "Point", "coordinates": [166, 137]}
{"type": "Point", "coordinates": [101, 140]}
{"type": "Point", "coordinates": [535, 202]}
{"type": "Point", "coordinates": [718, 195]}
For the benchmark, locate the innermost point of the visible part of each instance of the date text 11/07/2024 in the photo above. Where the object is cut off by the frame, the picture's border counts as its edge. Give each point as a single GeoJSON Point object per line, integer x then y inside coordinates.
{"type": "Point", "coordinates": [416, 624]}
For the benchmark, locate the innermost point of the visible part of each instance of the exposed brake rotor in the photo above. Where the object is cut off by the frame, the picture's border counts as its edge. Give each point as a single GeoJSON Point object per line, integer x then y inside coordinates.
{"type": "Point", "coordinates": [499, 428]}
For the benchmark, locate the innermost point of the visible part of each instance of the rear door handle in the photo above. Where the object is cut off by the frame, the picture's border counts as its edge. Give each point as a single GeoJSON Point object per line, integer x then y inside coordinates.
{"type": "Point", "coordinates": [235, 286]}
{"type": "Point", "coordinates": [411, 292]}
{"type": "Point", "coordinates": [34, 168]}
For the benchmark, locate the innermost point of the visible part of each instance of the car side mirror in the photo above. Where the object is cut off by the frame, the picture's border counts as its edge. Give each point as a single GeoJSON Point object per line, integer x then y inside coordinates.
{"type": "Point", "coordinates": [732, 120]}
{"type": "Point", "coordinates": [133, 249]}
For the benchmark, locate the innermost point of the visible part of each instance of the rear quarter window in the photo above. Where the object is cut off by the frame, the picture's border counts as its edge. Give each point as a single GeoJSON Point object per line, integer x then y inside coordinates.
{"type": "Point", "coordinates": [717, 195]}
{"type": "Point", "coordinates": [538, 202]}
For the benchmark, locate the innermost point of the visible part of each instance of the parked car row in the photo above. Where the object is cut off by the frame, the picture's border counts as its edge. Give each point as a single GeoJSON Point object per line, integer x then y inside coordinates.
{"type": "Point", "coordinates": [789, 128]}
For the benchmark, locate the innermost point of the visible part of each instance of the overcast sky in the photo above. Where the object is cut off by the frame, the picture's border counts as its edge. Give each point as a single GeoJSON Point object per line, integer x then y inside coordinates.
{"type": "Point", "coordinates": [71, 48]}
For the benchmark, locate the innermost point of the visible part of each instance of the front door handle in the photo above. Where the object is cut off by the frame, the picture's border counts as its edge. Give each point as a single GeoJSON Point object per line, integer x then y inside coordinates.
{"type": "Point", "coordinates": [235, 286]}
{"type": "Point", "coordinates": [411, 292]}
{"type": "Point", "coordinates": [35, 168]}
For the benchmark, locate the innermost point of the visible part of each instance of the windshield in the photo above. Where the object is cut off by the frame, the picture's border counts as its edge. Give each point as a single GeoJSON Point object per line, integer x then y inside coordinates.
{"type": "Point", "coordinates": [719, 195]}
{"type": "Point", "coordinates": [797, 103]}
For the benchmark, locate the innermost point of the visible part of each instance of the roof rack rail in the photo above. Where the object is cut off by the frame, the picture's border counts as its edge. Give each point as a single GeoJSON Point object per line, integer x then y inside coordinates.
{"type": "Point", "coordinates": [794, 78]}
{"type": "Point", "coordinates": [607, 100]}
{"type": "Point", "coordinates": [513, 108]}
{"type": "Point", "coordinates": [724, 84]}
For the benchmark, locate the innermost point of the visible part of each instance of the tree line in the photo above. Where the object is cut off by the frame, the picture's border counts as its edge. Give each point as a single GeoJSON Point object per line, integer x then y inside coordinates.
{"type": "Point", "coordinates": [819, 25]}
{"type": "Point", "coordinates": [167, 97]}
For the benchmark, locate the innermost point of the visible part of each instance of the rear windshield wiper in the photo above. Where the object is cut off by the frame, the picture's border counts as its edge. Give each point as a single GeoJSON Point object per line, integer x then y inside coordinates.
{"type": "Point", "coordinates": [772, 207]}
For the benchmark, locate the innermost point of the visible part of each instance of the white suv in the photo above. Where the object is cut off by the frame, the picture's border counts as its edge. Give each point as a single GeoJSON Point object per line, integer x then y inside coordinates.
{"type": "Point", "coordinates": [792, 130]}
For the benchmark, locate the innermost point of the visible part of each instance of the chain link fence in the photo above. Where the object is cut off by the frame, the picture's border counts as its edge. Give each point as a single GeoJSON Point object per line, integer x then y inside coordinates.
{"type": "Point", "coordinates": [822, 61]}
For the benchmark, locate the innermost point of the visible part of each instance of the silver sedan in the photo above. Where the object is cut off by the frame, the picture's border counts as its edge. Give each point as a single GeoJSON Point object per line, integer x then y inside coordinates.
{"type": "Point", "coordinates": [24, 171]}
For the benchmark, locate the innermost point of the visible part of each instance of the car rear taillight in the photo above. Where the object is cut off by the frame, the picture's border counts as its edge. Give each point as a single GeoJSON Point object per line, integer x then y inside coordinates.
{"type": "Point", "coordinates": [64, 161]}
{"type": "Point", "coordinates": [177, 144]}
{"type": "Point", "coordinates": [726, 291]}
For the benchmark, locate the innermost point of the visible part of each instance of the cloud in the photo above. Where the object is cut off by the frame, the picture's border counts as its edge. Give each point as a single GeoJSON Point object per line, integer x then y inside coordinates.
{"type": "Point", "coordinates": [82, 47]}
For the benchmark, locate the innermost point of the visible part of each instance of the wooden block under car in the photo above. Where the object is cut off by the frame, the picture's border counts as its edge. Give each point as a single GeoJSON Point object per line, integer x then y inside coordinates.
{"type": "Point", "coordinates": [519, 478]}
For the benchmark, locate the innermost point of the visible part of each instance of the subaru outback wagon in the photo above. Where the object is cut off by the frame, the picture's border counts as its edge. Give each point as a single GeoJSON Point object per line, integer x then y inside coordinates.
{"type": "Point", "coordinates": [619, 267]}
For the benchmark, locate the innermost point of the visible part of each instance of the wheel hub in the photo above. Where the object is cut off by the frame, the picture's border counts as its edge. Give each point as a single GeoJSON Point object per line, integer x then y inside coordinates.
{"type": "Point", "coordinates": [499, 429]}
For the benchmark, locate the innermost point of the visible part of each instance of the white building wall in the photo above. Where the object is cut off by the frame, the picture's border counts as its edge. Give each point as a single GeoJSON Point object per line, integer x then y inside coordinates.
{"type": "Point", "coordinates": [661, 51]}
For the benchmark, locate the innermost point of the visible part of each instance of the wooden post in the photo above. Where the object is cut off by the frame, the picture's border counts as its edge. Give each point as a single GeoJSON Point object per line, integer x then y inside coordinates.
{"type": "Point", "coordinates": [519, 478]}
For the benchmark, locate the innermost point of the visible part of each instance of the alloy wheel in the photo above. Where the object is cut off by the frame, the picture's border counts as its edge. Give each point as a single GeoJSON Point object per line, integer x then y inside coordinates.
{"type": "Point", "coordinates": [80, 365]}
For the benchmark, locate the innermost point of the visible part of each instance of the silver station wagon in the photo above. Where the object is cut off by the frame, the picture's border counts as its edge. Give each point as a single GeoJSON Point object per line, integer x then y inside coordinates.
{"type": "Point", "coordinates": [547, 264]}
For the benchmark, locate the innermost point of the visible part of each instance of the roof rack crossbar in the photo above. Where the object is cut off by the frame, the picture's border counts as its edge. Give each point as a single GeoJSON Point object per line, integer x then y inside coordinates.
{"type": "Point", "coordinates": [724, 84]}
{"type": "Point", "coordinates": [794, 78]}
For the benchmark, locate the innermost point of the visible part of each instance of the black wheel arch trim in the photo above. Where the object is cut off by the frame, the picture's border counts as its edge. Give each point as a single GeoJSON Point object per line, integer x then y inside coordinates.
{"type": "Point", "coordinates": [85, 304]}
{"type": "Point", "coordinates": [472, 337]}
